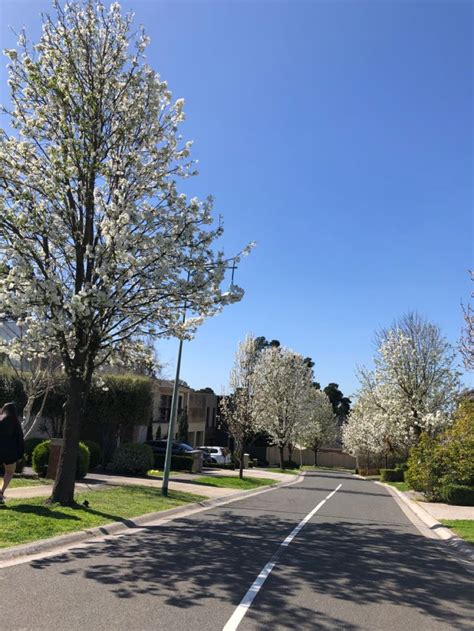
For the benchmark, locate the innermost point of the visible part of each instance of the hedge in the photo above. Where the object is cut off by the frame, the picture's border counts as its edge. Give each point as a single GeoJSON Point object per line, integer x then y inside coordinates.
{"type": "Point", "coordinates": [391, 475]}
{"type": "Point", "coordinates": [178, 463]}
{"type": "Point", "coordinates": [132, 458]}
{"type": "Point", "coordinates": [40, 459]}
{"type": "Point", "coordinates": [458, 494]}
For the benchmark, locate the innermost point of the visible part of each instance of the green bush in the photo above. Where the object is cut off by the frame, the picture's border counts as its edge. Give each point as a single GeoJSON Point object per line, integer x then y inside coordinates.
{"type": "Point", "coordinates": [132, 458]}
{"type": "Point", "coordinates": [40, 459]}
{"type": "Point", "coordinates": [446, 459]}
{"type": "Point", "coordinates": [425, 467]}
{"type": "Point", "coordinates": [458, 494]}
{"type": "Point", "coordinates": [391, 475]}
{"type": "Point", "coordinates": [95, 454]}
{"type": "Point", "coordinates": [178, 463]}
{"type": "Point", "coordinates": [30, 444]}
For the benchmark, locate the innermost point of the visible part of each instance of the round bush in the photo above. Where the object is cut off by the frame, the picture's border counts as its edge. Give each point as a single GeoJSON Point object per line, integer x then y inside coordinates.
{"type": "Point", "coordinates": [95, 454]}
{"type": "Point", "coordinates": [30, 444]}
{"type": "Point", "coordinates": [40, 459]}
{"type": "Point", "coordinates": [132, 458]}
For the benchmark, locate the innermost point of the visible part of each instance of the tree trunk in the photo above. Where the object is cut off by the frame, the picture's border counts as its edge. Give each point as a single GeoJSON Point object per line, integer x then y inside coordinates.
{"type": "Point", "coordinates": [280, 449]}
{"type": "Point", "coordinates": [315, 449]}
{"type": "Point", "coordinates": [63, 489]}
{"type": "Point", "coordinates": [241, 461]}
{"type": "Point", "coordinates": [290, 453]}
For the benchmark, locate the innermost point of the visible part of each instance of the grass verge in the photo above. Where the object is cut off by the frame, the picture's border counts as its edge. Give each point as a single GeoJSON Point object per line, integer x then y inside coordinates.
{"type": "Point", "coordinates": [462, 527]}
{"type": "Point", "coordinates": [401, 486]}
{"type": "Point", "coordinates": [233, 482]}
{"type": "Point", "coordinates": [23, 521]}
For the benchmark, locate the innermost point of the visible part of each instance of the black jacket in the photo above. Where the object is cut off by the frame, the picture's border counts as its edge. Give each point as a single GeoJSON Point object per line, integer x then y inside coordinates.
{"type": "Point", "coordinates": [12, 444]}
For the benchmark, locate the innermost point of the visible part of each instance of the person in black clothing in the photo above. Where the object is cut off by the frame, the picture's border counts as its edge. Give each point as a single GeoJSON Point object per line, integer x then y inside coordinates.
{"type": "Point", "coordinates": [12, 445]}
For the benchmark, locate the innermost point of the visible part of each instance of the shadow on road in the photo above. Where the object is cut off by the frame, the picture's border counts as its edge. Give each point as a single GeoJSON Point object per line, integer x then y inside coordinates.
{"type": "Point", "coordinates": [217, 555]}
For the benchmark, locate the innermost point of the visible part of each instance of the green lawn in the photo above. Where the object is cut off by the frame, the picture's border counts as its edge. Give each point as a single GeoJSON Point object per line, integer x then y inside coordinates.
{"type": "Point", "coordinates": [17, 482]}
{"type": "Point", "coordinates": [157, 473]}
{"type": "Point", "coordinates": [462, 527]}
{"type": "Point", "coordinates": [401, 486]}
{"type": "Point", "coordinates": [289, 471]}
{"type": "Point", "coordinates": [233, 482]}
{"type": "Point", "coordinates": [26, 520]}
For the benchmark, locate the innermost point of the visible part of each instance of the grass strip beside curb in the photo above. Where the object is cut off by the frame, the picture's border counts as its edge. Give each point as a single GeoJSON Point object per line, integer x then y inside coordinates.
{"type": "Point", "coordinates": [233, 482]}
{"type": "Point", "coordinates": [464, 528]}
{"type": "Point", "coordinates": [28, 520]}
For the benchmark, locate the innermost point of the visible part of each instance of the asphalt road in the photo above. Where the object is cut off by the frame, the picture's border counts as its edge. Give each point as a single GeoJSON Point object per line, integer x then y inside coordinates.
{"type": "Point", "coordinates": [358, 563]}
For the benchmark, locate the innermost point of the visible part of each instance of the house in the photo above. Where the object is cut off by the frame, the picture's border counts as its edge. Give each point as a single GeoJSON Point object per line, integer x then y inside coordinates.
{"type": "Point", "coordinates": [201, 406]}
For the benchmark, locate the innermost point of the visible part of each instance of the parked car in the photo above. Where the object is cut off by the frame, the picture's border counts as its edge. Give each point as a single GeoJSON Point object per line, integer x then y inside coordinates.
{"type": "Point", "coordinates": [178, 449]}
{"type": "Point", "coordinates": [218, 455]}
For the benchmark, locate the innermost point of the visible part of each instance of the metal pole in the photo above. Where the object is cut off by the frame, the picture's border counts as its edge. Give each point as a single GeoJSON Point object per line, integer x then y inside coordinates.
{"type": "Point", "coordinates": [173, 414]}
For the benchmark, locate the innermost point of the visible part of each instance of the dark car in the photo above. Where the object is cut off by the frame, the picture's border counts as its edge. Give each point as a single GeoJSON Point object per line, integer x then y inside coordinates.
{"type": "Point", "coordinates": [179, 449]}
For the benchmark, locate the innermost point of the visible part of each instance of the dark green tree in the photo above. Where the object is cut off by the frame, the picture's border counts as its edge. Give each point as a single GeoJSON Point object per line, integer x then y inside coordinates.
{"type": "Point", "coordinates": [183, 426]}
{"type": "Point", "coordinates": [340, 404]}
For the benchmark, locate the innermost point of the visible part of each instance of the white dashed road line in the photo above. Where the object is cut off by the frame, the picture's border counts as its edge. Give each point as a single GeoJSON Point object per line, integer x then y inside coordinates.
{"type": "Point", "coordinates": [247, 600]}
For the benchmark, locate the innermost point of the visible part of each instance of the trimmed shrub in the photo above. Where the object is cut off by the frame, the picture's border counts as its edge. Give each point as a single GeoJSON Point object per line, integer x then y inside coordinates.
{"type": "Point", "coordinates": [458, 494]}
{"type": "Point", "coordinates": [30, 444]}
{"type": "Point", "coordinates": [391, 475]}
{"type": "Point", "coordinates": [95, 454]}
{"type": "Point", "coordinates": [40, 459]}
{"type": "Point", "coordinates": [132, 458]}
{"type": "Point", "coordinates": [178, 463]}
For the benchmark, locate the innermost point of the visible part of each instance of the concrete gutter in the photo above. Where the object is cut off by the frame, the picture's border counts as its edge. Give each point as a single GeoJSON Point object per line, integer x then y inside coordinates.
{"type": "Point", "coordinates": [432, 528]}
{"type": "Point", "coordinates": [57, 545]}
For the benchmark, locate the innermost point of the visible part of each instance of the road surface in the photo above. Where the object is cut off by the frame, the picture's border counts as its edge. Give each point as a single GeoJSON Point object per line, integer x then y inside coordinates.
{"type": "Point", "coordinates": [357, 563]}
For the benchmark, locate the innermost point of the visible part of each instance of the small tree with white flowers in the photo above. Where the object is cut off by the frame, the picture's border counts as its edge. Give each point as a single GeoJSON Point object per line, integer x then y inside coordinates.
{"type": "Point", "coordinates": [321, 427]}
{"type": "Point", "coordinates": [282, 395]}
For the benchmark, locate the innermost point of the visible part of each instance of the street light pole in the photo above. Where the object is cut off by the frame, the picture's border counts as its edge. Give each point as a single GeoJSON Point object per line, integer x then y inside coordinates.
{"type": "Point", "coordinates": [174, 399]}
{"type": "Point", "coordinates": [173, 414]}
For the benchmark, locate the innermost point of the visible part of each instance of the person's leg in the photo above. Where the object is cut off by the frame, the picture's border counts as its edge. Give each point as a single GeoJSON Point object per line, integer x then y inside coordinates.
{"type": "Point", "coordinates": [9, 471]}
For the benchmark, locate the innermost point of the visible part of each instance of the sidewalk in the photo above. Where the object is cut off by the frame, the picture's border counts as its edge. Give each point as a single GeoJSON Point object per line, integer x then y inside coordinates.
{"type": "Point", "coordinates": [180, 482]}
{"type": "Point", "coordinates": [442, 511]}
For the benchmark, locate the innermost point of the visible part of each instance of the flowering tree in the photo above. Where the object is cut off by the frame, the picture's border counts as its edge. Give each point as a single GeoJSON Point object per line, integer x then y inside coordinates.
{"type": "Point", "coordinates": [101, 248]}
{"type": "Point", "coordinates": [236, 409]}
{"type": "Point", "coordinates": [282, 395]}
{"type": "Point", "coordinates": [38, 372]}
{"type": "Point", "coordinates": [415, 380]}
{"type": "Point", "coordinates": [321, 426]}
{"type": "Point", "coordinates": [412, 390]}
{"type": "Point", "coordinates": [370, 430]}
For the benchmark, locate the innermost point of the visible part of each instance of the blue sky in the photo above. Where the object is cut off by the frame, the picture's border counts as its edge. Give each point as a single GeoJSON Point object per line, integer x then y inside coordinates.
{"type": "Point", "coordinates": [338, 135]}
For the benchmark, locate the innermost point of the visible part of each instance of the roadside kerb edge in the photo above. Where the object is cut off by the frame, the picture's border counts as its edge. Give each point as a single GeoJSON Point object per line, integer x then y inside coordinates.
{"type": "Point", "coordinates": [24, 552]}
{"type": "Point", "coordinates": [441, 532]}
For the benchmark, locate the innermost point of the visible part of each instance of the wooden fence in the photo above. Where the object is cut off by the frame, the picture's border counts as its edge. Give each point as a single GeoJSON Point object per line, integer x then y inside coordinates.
{"type": "Point", "coordinates": [326, 457]}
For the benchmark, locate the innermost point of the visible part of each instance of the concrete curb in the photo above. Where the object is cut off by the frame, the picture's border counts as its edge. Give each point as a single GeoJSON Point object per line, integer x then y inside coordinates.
{"type": "Point", "coordinates": [24, 552]}
{"type": "Point", "coordinates": [443, 533]}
